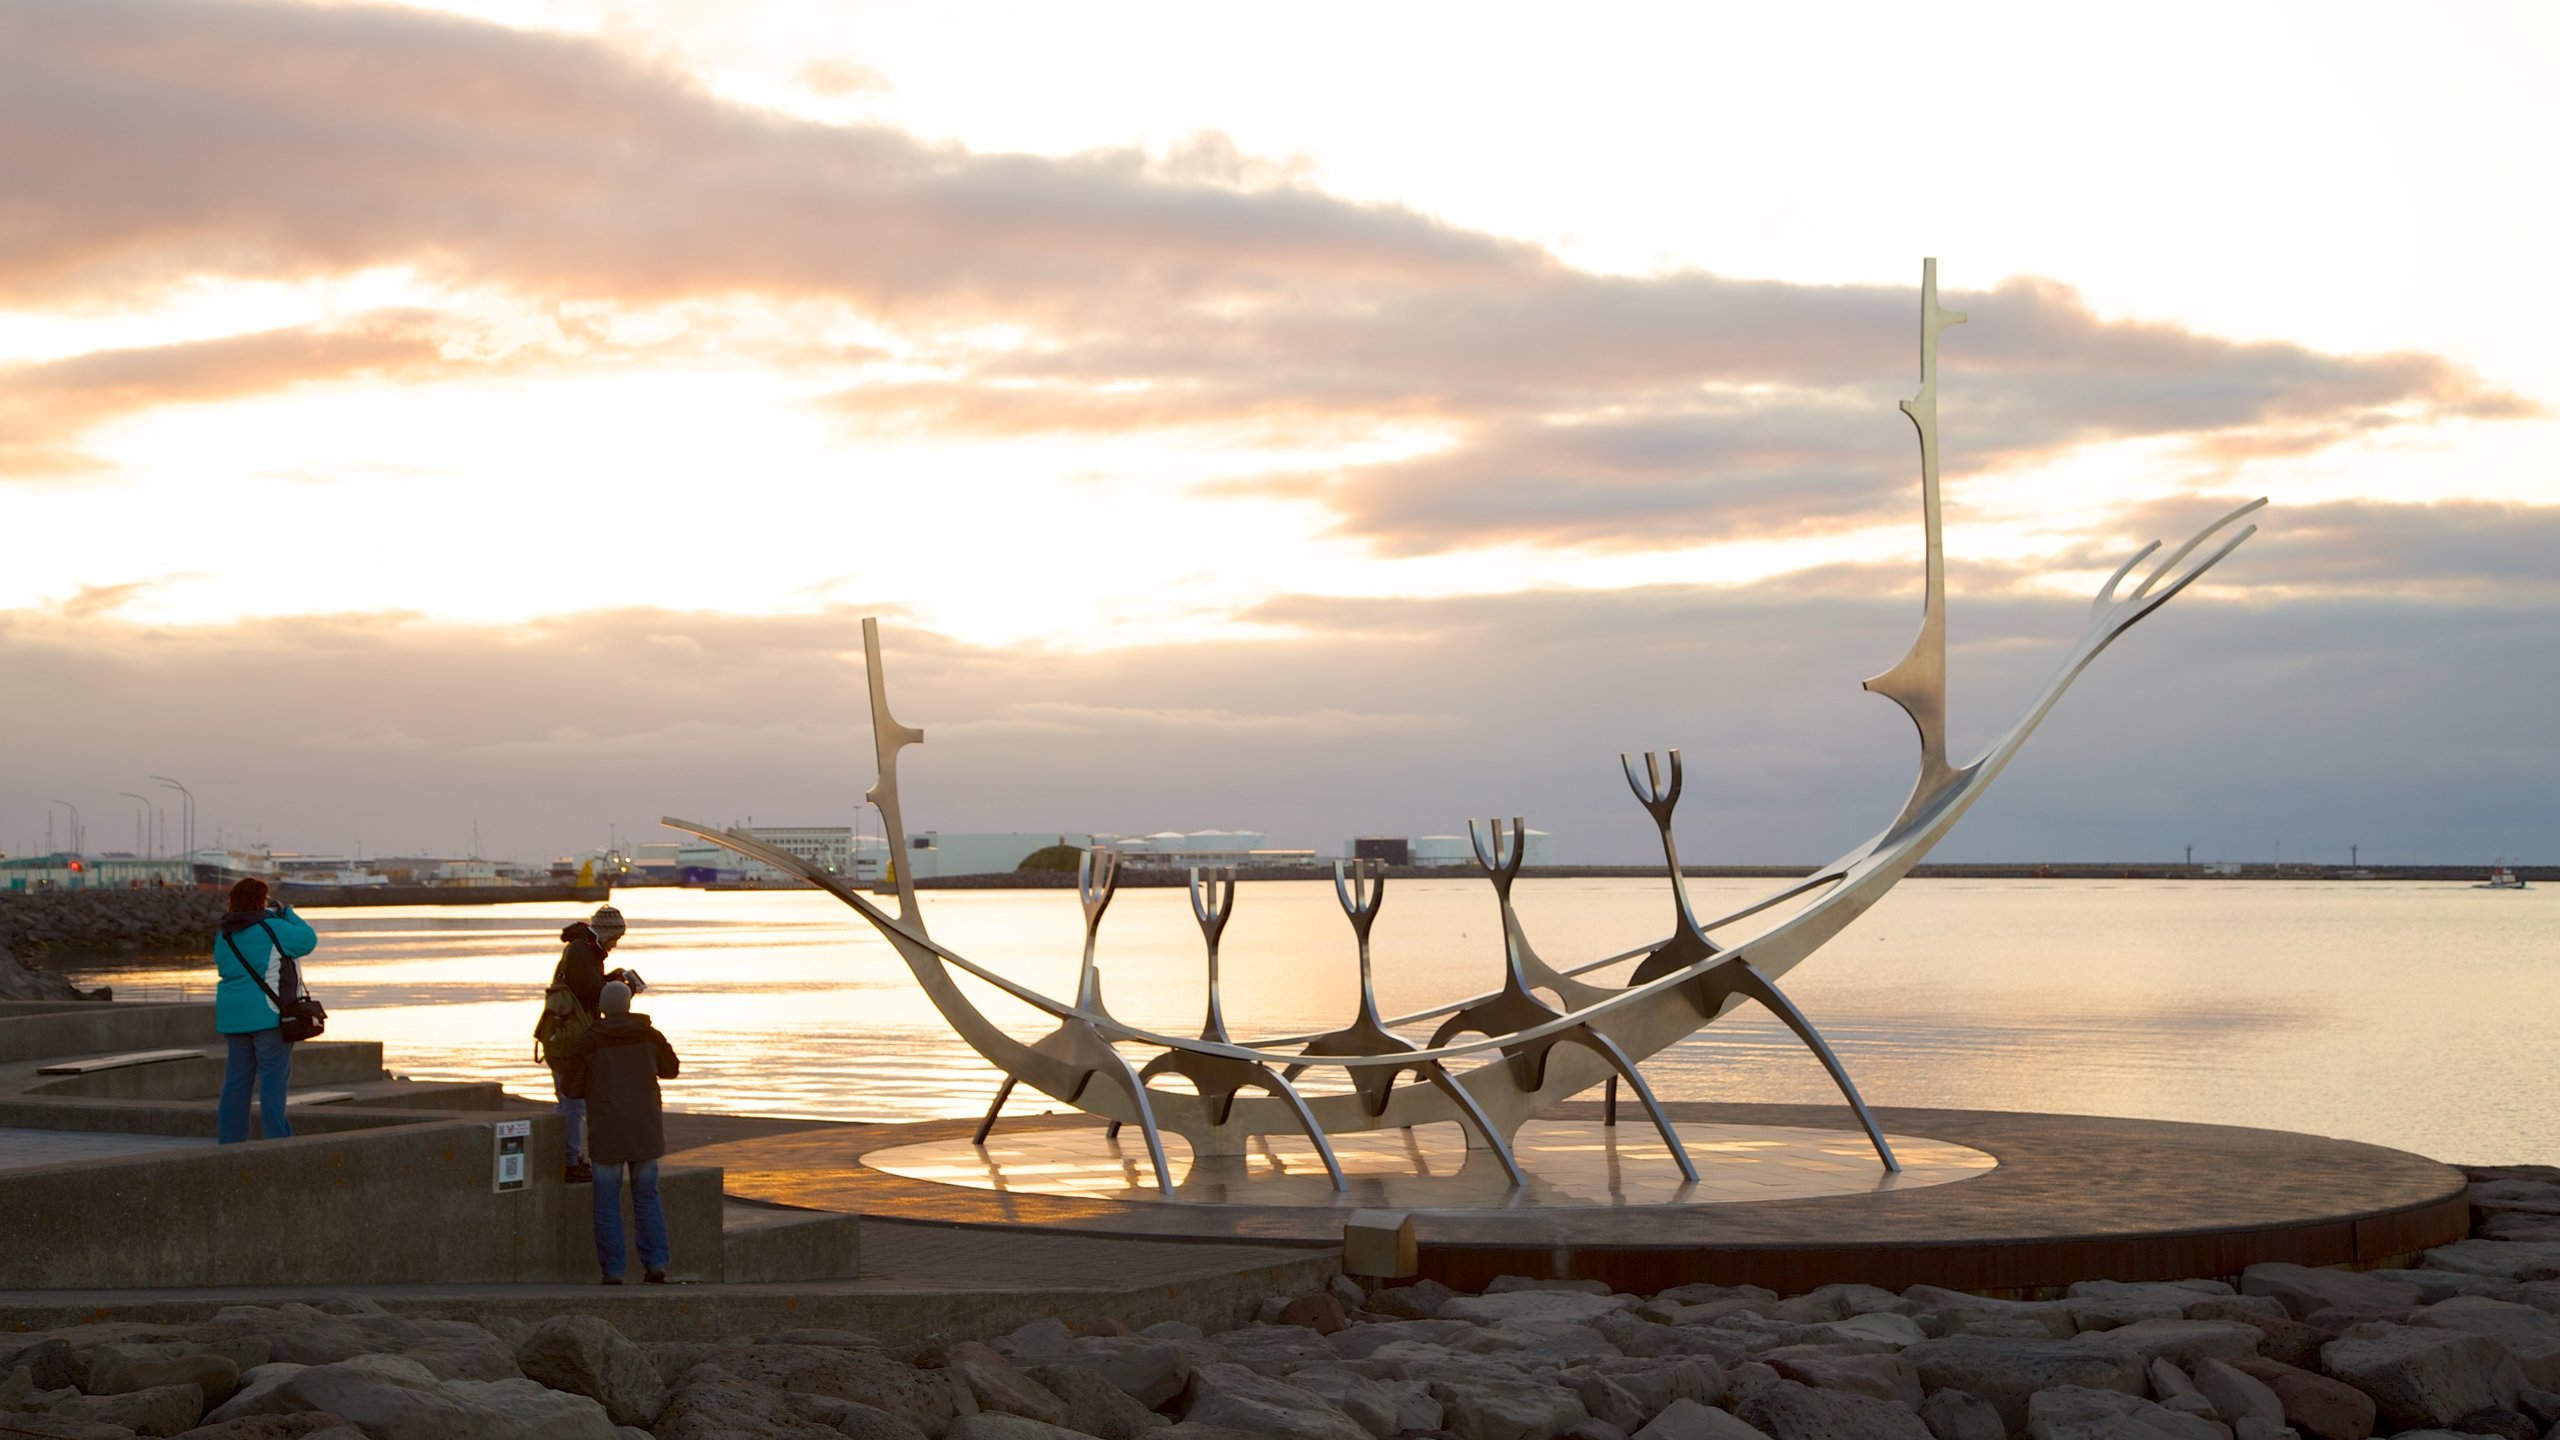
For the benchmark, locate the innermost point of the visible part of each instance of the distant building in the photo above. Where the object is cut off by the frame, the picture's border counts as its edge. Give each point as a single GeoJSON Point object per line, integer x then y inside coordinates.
{"type": "Point", "coordinates": [1176, 849]}
{"type": "Point", "coordinates": [114, 871]}
{"type": "Point", "coordinates": [1436, 850]}
{"type": "Point", "coordinates": [940, 854]}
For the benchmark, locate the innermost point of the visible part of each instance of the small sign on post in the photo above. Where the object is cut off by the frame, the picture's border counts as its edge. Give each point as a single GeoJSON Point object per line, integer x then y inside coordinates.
{"type": "Point", "coordinates": [510, 1172]}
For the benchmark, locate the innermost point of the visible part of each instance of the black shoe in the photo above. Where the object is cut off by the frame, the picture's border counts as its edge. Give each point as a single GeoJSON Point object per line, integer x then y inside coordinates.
{"type": "Point", "coordinates": [613, 1279]}
{"type": "Point", "coordinates": [579, 1173]}
{"type": "Point", "coordinates": [654, 1277]}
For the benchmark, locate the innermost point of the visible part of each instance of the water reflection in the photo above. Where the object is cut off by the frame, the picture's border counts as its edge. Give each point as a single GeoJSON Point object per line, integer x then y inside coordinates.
{"type": "Point", "coordinates": [2410, 1015]}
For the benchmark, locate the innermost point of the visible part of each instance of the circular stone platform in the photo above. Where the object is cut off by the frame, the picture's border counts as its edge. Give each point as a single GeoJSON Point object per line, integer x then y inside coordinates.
{"type": "Point", "coordinates": [1567, 1163]}
{"type": "Point", "coordinates": [2065, 1197]}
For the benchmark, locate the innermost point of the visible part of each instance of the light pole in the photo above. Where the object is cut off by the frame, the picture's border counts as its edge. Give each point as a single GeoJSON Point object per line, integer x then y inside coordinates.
{"type": "Point", "coordinates": [79, 842]}
{"type": "Point", "coordinates": [186, 827]}
{"type": "Point", "coordinates": [141, 823]}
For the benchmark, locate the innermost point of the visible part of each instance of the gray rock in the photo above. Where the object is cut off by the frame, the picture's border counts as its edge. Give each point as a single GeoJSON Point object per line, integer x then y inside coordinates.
{"type": "Point", "coordinates": [2505, 1259]}
{"type": "Point", "coordinates": [2169, 1383]}
{"type": "Point", "coordinates": [1605, 1400]}
{"type": "Point", "coordinates": [1645, 1339]}
{"type": "Point", "coordinates": [1506, 1407]}
{"type": "Point", "coordinates": [392, 1398]}
{"type": "Point", "coordinates": [2071, 1412]}
{"type": "Point", "coordinates": [2176, 1292]}
{"type": "Point", "coordinates": [64, 1427]}
{"type": "Point", "coordinates": [118, 1369]}
{"type": "Point", "coordinates": [257, 1392]}
{"type": "Point", "coordinates": [2422, 1376]}
{"type": "Point", "coordinates": [2238, 1395]}
{"type": "Point", "coordinates": [672, 1359]}
{"type": "Point", "coordinates": [714, 1405]}
{"type": "Point", "coordinates": [583, 1355]}
{"type": "Point", "coordinates": [1006, 1427]}
{"type": "Point", "coordinates": [1514, 1284]}
{"type": "Point", "coordinates": [1238, 1398]}
{"type": "Point", "coordinates": [852, 1418]}
{"type": "Point", "coordinates": [1547, 1307]}
{"type": "Point", "coordinates": [926, 1399]}
{"type": "Point", "coordinates": [998, 1386]}
{"type": "Point", "coordinates": [1274, 1349]}
{"type": "Point", "coordinates": [1884, 1377]}
{"type": "Point", "coordinates": [1955, 1415]}
{"type": "Point", "coordinates": [1418, 1301]}
{"type": "Point", "coordinates": [2438, 1285]}
{"type": "Point", "coordinates": [1148, 1370]}
{"type": "Point", "coordinates": [1095, 1406]}
{"type": "Point", "coordinates": [1879, 1328]}
{"type": "Point", "coordinates": [1656, 1383]}
{"type": "Point", "coordinates": [1365, 1400]}
{"type": "Point", "coordinates": [2304, 1290]}
{"type": "Point", "coordinates": [1361, 1341]}
{"type": "Point", "coordinates": [2314, 1404]}
{"type": "Point", "coordinates": [2006, 1372]}
{"type": "Point", "coordinates": [1839, 1302]}
{"type": "Point", "coordinates": [1789, 1411]}
{"type": "Point", "coordinates": [2180, 1342]}
{"type": "Point", "coordinates": [2531, 1335]}
{"type": "Point", "coordinates": [1171, 1330]}
{"type": "Point", "coordinates": [1039, 1340]}
{"type": "Point", "coordinates": [157, 1410]}
{"type": "Point", "coordinates": [1704, 1294]}
{"type": "Point", "coordinates": [302, 1425]}
{"type": "Point", "coordinates": [1689, 1420]}
{"type": "Point", "coordinates": [312, 1335]}
{"type": "Point", "coordinates": [2054, 1315]}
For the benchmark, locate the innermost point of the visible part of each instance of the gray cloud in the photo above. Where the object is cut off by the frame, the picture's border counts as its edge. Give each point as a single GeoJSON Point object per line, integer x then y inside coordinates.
{"type": "Point", "coordinates": [163, 139]}
{"type": "Point", "coordinates": [2413, 728]}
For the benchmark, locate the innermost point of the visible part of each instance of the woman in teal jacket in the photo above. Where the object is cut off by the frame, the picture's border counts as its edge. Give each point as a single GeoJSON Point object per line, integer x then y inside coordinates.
{"type": "Point", "coordinates": [255, 940]}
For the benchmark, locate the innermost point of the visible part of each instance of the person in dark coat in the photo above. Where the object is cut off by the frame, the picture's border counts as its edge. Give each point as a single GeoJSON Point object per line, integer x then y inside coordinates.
{"type": "Point", "coordinates": [584, 944]}
{"type": "Point", "coordinates": [615, 1068]}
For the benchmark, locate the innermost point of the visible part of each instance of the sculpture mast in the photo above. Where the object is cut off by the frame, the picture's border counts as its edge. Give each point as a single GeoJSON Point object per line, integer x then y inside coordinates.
{"type": "Point", "coordinates": [1919, 683]}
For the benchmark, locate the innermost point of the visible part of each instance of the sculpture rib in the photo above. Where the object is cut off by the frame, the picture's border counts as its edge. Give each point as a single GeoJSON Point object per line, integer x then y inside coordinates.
{"type": "Point", "coordinates": [1493, 1098]}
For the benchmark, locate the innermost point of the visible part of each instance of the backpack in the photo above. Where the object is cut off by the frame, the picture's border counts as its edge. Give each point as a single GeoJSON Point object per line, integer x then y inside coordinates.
{"type": "Point", "coordinates": [562, 1024]}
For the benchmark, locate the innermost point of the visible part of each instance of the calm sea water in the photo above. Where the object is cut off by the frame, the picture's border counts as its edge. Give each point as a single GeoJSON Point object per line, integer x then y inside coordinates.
{"type": "Point", "coordinates": [2418, 1016]}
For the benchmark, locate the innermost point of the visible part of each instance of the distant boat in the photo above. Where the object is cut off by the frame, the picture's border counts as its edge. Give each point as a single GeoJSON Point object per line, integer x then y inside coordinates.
{"type": "Point", "coordinates": [2502, 878]}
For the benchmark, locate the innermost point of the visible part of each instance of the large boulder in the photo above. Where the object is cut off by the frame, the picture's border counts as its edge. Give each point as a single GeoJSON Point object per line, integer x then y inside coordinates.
{"type": "Point", "coordinates": [392, 1398]}
{"type": "Point", "coordinates": [1418, 1301]}
{"type": "Point", "coordinates": [302, 1425]}
{"type": "Point", "coordinates": [926, 1399]}
{"type": "Point", "coordinates": [1789, 1411]}
{"type": "Point", "coordinates": [306, 1335]}
{"type": "Point", "coordinates": [2505, 1259]}
{"type": "Point", "coordinates": [2007, 1372]}
{"type": "Point", "coordinates": [2238, 1395]}
{"type": "Point", "coordinates": [1274, 1349]}
{"type": "Point", "coordinates": [1689, 1420]}
{"type": "Point", "coordinates": [2180, 1342]}
{"type": "Point", "coordinates": [1954, 1415]}
{"type": "Point", "coordinates": [2318, 1406]}
{"type": "Point", "coordinates": [1885, 1377]}
{"type": "Point", "coordinates": [712, 1404]}
{"type": "Point", "coordinates": [1237, 1398]}
{"type": "Point", "coordinates": [2073, 1412]}
{"type": "Point", "coordinates": [998, 1386]}
{"type": "Point", "coordinates": [1095, 1406]}
{"type": "Point", "coordinates": [583, 1355]}
{"type": "Point", "coordinates": [118, 1369]}
{"type": "Point", "coordinates": [1547, 1307]}
{"type": "Point", "coordinates": [1370, 1402]}
{"type": "Point", "coordinates": [2305, 1290]}
{"type": "Point", "coordinates": [1506, 1406]}
{"type": "Point", "coordinates": [2532, 1336]}
{"type": "Point", "coordinates": [2420, 1376]}
{"type": "Point", "coordinates": [992, 1426]}
{"type": "Point", "coordinates": [1148, 1370]}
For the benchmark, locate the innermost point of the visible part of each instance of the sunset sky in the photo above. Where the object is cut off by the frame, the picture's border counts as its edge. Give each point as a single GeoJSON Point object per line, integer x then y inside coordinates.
{"type": "Point", "coordinates": [1328, 420]}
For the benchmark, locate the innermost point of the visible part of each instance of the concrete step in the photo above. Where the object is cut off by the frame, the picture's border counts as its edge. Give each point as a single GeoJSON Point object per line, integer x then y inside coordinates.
{"type": "Point", "coordinates": [93, 1064]}
{"type": "Point", "coordinates": [690, 1195]}
{"type": "Point", "coordinates": [774, 1242]}
{"type": "Point", "coordinates": [336, 1063]}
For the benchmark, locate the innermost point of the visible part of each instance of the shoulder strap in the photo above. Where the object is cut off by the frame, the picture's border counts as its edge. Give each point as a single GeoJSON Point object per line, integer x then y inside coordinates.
{"type": "Point", "coordinates": [251, 971]}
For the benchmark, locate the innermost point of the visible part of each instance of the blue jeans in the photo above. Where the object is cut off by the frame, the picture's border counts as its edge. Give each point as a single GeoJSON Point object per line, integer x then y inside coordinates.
{"type": "Point", "coordinates": [262, 1056]}
{"type": "Point", "coordinates": [573, 1118]}
{"type": "Point", "coordinates": [646, 1213]}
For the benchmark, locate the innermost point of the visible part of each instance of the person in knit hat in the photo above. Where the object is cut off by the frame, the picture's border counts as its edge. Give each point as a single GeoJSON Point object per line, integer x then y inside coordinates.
{"type": "Point", "coordinates": [581, 978]}
{"type": "Point", "coordinates": [615, 1069]}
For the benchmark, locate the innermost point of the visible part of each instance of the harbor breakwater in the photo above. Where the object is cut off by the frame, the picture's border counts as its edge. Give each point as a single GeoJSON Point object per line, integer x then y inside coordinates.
{"type": "Point", "coordinates": [51, 927]}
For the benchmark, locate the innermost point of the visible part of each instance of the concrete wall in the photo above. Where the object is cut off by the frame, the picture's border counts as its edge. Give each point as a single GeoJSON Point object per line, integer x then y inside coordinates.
{"type": "Point", "coordinates": [31, 1030]}
{"type": "Point", "coordinates": [396, 1205]}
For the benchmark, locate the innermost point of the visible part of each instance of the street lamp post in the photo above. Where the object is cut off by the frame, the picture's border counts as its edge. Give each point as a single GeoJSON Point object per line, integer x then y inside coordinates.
{"type": "Point", "coordinates": [187, 826]}
{"type": "Point", "coordinates": [141, 824]}
{"type": "Point", "coordinates": [79, 842]}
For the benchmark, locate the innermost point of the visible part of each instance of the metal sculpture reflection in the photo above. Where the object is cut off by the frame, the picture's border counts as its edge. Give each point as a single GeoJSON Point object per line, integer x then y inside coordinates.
{"type": "Point", "coordinates": [1494, 1060]}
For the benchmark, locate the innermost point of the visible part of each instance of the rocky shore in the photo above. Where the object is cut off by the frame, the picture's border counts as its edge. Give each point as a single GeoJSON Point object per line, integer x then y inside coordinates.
{"type": "Point", "coordinates": [48, 927]}
{"type": "Point", "coordinates": [2468, 1343]}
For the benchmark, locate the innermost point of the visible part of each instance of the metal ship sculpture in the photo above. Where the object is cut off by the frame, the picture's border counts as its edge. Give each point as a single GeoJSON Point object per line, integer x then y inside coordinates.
{"type": "Point", "coordinates": [1494, 1060]}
